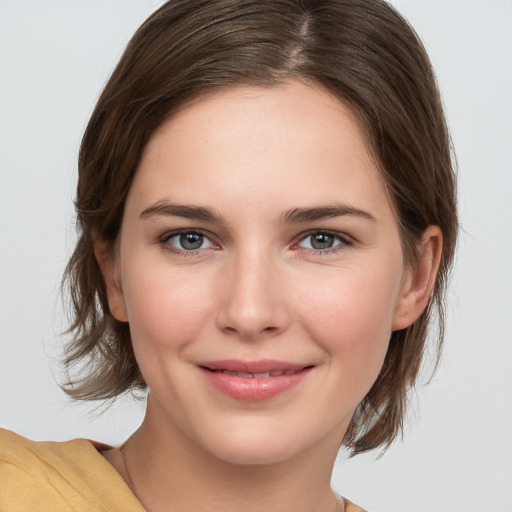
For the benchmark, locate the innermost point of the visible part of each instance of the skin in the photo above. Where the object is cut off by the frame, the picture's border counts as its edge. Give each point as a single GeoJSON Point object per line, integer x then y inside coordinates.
{"type": "Point", "coordinates": [256, 288]}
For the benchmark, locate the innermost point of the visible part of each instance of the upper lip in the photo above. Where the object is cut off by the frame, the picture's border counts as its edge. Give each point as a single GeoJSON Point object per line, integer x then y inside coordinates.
{"type": "Point", "coordinates": [259, 366]}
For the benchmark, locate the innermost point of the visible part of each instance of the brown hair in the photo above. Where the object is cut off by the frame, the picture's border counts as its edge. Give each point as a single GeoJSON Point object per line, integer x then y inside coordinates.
{"type": "Point", "coordinates": [364, 53]}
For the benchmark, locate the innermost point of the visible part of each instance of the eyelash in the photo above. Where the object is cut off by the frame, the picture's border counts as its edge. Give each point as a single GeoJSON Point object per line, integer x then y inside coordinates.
{"type": "Point", "coordinates": [344, 242]}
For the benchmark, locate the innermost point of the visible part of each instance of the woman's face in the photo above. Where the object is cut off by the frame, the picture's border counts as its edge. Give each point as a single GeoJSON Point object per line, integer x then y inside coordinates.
{"type": "Point", "coordinates": [261, 271]}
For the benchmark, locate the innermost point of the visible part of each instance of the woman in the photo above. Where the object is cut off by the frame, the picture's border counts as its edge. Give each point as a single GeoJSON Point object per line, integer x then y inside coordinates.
{"type": "Point", "coordinates": [267, 214]}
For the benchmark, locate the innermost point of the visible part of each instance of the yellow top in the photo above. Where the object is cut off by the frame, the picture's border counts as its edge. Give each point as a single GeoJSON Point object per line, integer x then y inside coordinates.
{"type": "Point", "coordinates": [71, 476]}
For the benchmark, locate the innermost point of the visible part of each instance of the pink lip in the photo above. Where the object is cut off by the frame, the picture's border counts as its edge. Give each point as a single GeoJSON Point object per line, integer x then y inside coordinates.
{"type": "Point", "coordinates": [251, 389]}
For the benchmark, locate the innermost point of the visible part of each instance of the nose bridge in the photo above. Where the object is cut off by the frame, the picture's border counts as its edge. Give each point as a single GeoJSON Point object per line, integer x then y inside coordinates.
{"type": "Point", "coordinates": [253, 300]}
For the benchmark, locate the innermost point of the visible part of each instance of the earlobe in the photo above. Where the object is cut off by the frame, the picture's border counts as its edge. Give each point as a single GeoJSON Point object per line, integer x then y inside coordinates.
{"type": "Point", "coordinates": [420, 279]}
{"type": "Point", "coordinates": [111, 275]}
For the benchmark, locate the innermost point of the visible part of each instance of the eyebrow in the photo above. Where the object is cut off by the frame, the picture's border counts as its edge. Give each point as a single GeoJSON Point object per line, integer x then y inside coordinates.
{"type": "Point", "coordinates": [293, 216]}
{"type": "Point", "coordinates": [187, 211]}
{"type": "Point", "coordinates": [324, 212]}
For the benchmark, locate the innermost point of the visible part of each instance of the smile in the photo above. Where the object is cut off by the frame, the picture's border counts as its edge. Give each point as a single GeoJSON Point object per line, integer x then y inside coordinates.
{"type": "Point", "coordinates": [253, 381]}
{"type": "Point", "coordinates": [262, 375]}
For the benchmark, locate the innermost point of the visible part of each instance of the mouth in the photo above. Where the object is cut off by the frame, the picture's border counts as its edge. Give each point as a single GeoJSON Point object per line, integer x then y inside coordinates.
{"type": "Point", "coordinates": [260, 375]}
{"type": "Point", "coordinates": [253, 380]}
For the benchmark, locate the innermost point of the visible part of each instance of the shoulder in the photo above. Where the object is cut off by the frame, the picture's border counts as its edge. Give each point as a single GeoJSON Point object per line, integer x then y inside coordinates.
{"type": "Point", "coordinates": [23, 452]}
{"type": "Point", "coordinates": [47, 475]}
{"type": "Point", "coordinates": [351, 507]}
{"type": "Point", "coordinates": [32, 459]}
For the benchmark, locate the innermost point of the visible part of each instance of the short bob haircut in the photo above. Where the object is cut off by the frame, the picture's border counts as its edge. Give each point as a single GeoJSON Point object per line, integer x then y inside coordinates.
{"type": "Point", "coordinates": [361, 51]}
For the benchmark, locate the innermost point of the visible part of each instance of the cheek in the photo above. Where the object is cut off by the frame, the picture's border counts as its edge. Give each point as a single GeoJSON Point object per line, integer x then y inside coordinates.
{"type": "Point", "coordinates": [165, 309]}
{"type": "Point", "coordinates": [350, 316]}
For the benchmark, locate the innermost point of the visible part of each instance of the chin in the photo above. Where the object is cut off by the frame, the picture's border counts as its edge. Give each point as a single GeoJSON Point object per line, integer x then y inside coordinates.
{"type": "Point", "coordinates": [251, 454]}
{"type": "Point", "coordinates": [256, 444]}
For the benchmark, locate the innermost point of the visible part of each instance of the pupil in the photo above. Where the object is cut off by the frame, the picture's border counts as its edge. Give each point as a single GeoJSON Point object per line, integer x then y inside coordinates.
{"type": "Point", "coordinates": [322, 241]}
{"type": "Point", "coordinates": [191, 241]}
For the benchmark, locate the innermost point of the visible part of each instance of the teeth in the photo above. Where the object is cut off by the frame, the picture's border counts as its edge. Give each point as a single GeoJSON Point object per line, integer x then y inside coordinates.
{"type": "Point", "coordinates": [263, 375]}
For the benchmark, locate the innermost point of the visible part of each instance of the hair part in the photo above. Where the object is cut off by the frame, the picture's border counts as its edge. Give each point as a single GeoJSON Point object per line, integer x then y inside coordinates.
{"type": "Point", "coordinates": [361, 51]}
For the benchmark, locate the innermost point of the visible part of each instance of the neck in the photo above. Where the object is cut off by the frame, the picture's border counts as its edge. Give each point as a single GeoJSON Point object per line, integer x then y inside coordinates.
{"type": "Point", "coordinates": [168, 472]}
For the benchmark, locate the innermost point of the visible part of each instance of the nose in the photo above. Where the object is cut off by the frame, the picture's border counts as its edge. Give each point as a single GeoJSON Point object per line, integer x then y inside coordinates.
{"type": "Point", "coordinates": [253, 298]}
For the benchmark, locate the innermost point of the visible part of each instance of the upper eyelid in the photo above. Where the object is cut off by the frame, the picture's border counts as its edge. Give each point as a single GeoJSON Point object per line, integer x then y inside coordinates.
{"type": "Point", "coordinates": [175, 232]}
{"type": "Point", "coordinates": [337, 234]}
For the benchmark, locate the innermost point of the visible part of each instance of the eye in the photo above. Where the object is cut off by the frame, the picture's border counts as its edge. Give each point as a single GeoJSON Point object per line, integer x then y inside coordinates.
{"type": "Point", "coordinates": [187, 241]}
{"type": "Point", "coordinates": [324, 241]}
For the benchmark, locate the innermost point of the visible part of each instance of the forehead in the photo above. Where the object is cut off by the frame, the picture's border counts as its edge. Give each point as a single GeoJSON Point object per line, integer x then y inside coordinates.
{"type": "Point", "coordinates": [287, 144]}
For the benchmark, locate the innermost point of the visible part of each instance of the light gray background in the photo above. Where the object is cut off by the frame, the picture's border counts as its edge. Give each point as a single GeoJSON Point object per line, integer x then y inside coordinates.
{"type": "Point", "coordinates": [55, 57]}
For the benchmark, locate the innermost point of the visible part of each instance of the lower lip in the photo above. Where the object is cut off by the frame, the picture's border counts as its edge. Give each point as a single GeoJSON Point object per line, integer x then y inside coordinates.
{"type": "Point", "coordinates": [252, 389]}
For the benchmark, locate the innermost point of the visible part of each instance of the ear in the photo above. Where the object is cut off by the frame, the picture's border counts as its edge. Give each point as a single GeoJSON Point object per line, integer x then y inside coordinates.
{"type": "Point", "coordinates": [109, 267]}
{"type": "Point", "coordinates": [419, 280]}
